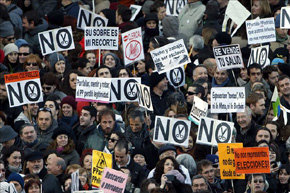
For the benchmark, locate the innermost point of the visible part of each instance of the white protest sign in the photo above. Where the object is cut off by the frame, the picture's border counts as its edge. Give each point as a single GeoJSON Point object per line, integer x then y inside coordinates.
{"type": "Point", "coordinates": [176, 77]}
{"type": "Point", "coordinates": [198, 110]}
{"type": "Point", "coordinates": [261, 30]}
{"type": "Point", "coordinates": [144, 97]}
{"type": "Point", "coordinates": [75, 181]}
{"type": "Point", "coordinates": [170, 56]}
{"type": "Point", "coordinates": [132, 46]}
{"type": "Point", "coordinates": [228, 99]}
{"type": "Point", "coordinates": [124, 89]}
{"type": "Point", "coordinates": [87, 18]}
{"type": "Point", "coordinates": [228, 57]}
{"type": "Point", "coordinates": [105, 38]}
{"type": "Point", "coordinates": [213, 131]}
{"type": "Point", "coordinates": [93, 89]}
{"type": "Point", "coordinates": [173, 7]}
{"type": "Point", "coordinates": [170, 130]}
{"type": "Point", "coordinates": [135, 10]}
{"type": "Point", "coordinates": [56, 40]}
{"type": "Point", "coordinates": [23, 88]}
{"type": "Point", "coordinates": [260, 55]}
{"type": "Point", "coordinates": [285, 18]}
{"type": "Point", "coordinates": [237, 13]}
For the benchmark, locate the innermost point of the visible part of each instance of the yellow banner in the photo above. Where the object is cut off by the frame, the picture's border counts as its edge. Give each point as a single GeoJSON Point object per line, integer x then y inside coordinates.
{"type": "Point", "coordinates": [227, 160]}
{"type": "Point", "coordinates": [100, 161]}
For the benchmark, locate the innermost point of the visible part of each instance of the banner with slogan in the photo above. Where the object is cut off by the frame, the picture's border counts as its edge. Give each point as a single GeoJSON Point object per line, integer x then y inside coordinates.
{"type": "Point", "coordinates": [113, 181]}
{"type": "Point", "coordinates": [144, 97]}
{"type": "Point", "coordinates": [23, 88]}
{"type": "Point", "coordinates": [56, 40]}
{"type": "Point", "coordinates": [227, 161]}
{"type": "Point", "coordinates": [174, 7]}
{"type": "Point", "coordinates": [132, 46]}
{"type": "Point", "coordinates": [170, 130]}
{"type": "Point", "coordinates": [228, 99]}
{"type": "Point", "coordinates": [260, 55]}
{"type": "Point", "coordinates": [285, 18]}
{"type": "Point", "coordinates": [251, 160]}
{"type": "Point", "coordinates": [124, 89]}
{"type": "Point", "coordinates": [213, 131]}
{"type": "Point", "coordinates": [100, 161]}
{"type": "Point", "coordinates": [135, 10]}
{"type": "Point", "coordinates": [176, 77]}
{"type": "Point", "coordinates": [199, 109]}
{"type": "Point", "coordinates": [105, 38]}
{"type": "Point", "coordinates": [88, 18]}
{"type": "Point", "coordinates": [228, 57]}
{"type": "Point", "coordinates": [93, 89]}
{"type": "Point", "coordinates": [170, 56]}
{"type": "Point", "coordinates": [261, 30]}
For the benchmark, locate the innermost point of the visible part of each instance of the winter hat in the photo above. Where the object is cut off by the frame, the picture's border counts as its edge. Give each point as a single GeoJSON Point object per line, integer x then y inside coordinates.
{"type": "Point", "coordinates": [6, 29]}
{"type": "Point", "coordinates": [69, 100]}
{"type": "Point", "coordinates": [170, 26]}
{"type": "Point", "coordinates": [137, 151]}
{"type": "Point", "coordinates": [53, 59]}
{"type": "Point", "coordinates": [7, 133]}
{"type": "Point", "coordinates": [187, 161]}
{"type": "Point", "coordinates": [146, 6]}
{"type": "Point", "coordinates": [20, 42]}
{"type": "Point", "coordinates": [223, 38]}
{"type": "Point", "coordinates": [9, 48]}
{"type": "Point", "coordinates": [117, 60]}
{"type": "Point", "coordinates": [276, 61]}
{"type": "Point", "coordinates": [280, 53]}
{"type": "Point", "coordinates": [4, 187]}
{"type": "Point", "coordinates": [16, 177]}
{"type": "Point", "coordinates": [155, 78]}
{"type": "Point", "coordinates": [151, 16]}
{"type": "Point", "coordinates": [33, 155]}
{"type": "Point", "coordinates": [213, 158]}
{"type": "Point", "coordinates": [277, 21]}
{"type": "Point", "coordinates": [111, 16]}
{"type": "Point", "coordinates": [60, 131]}
{"type": "Point", "coordinates": [165, 148]}
{"type": "Point", "coordinates": [177, 174]}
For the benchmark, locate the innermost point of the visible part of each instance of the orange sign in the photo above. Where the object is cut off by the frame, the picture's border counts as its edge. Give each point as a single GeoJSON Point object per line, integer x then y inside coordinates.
{"type": "Point", "coordinates": [251, 160]}
{"type": "Point", "coordinates": [21, 76]}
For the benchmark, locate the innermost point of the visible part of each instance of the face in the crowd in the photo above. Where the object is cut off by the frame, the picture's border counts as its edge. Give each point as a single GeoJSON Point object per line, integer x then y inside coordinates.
{"type": "Point", "coordinates": [243, 119]}
{"type": "Point", "coordinates": [3, 92]}
{"type": "Point", "coordinates": [62, 140]}
{"type": "Point", "coordinates": [112, 141]}
{"type": "Point", "coordinates": [12, 57]}
{"type": "Point", "coordinates": [121, 157]}
{"type": "Point", "coordinates": [281, 32]}
{"type": "Point", "coordinates": [168, 166]}
{"type": "Point", "coordinates": [244, 73]}
{"type": "Point", "coordinates": [136, 124]}
{"type": "Point", "coordinates": [52, 167]}
{"type": "Point", "coordinates": [208, 173]}
{"type": "Point", "coordinates": [17, 185]}
{"type": "Point", "coordinates": [35, 166]}
{"type": "Point", "coordinates": [255, 75]}
{"type": "Point", "coordinates": [52, 107]}
{"type": "Point", "coordinates": [191, 92]}
{"type": "Point", "coordinates": [67, 184]}
{"type": "Point", "coordinates": [34, 188]}
{"type": "Point", "coordinates": [161, 13]}
{"type": "Point", "coordinates": [200, 72]}
{"type": "Point", "coordinates": [67, 110]}
{"type": "Point", "coordinates": [8, 40]}
{"type": "Point", "coordinates": [259, 107]}
{"type": "Point", "coordinates": [283, 176]}
{"type": "Point", "coordinates": [73, 80]}
{"type": "Point", "coordinates": [48, 89]}
{"type": "Point", "coordinates": [284, 86]}
{"type": "Point", "coordinates": [110, 61]}
{"type": "Point", "coordinates": [60, 67]}
{"type": "Point", "coordinates": [32, 109]}
{"type": "Point", "coordinates": [151, 186]}
{"type": "Point", "coordinates": [14, 159]}
{"type": "Point", "coordinates": [123, 73]}
{"type": "Point", "coordinates": [28, 134]}
{"type": "Point", "coordinates": [26, 25]}
{"type": "Point", "coordinates": [107, 123]}
{"type": "Point", "coordinates": [190, 145]}
{"type": "Point", "coordinates": [272, 155]}
{"type": "Point", "coordinates": [141, 66]}
{"type": "Point", "coordinates": [163, 84]}
{"type": "Point", "coordinates": [151, 24]}
{"type": "Point", "coordinates": [92, 58]}
{"type": "Point", "coordinates": [263, 135]}
{"type": "Point", "coordinates": [273, 78]}
{"type": "Point", "coordinates": [259, 183]}
{"type": "Point", "coordinates": [220, 76]}
{"type": "Point", "coordinates": [274, 130]}
{"type": "Point", "coordinates": [256, 8]}
{"type": "Point", "coordinates": [31, 65]}
{"type": "Point", "coordinates": [168, 153]}
{"type": "Point", "coordinates": [83, 178]}
{"type": "Point", "coordinates": [199, 185]}
{"type": "Point", "coordinates": [44, 120]}
{"type": "Point", "coordinates": [2, 172]}
{"type": "Point", "coordinates": [140, 159]}
{"type": "Point", "coordinates": [87, 69]}
{"type": "Point", "coordinates": [86, 119]}
{"type": "Point", "coordinates": [23, 53]}
{"type": "Point", "coordinates": [104, 73]}
{"type": "Point", "coordinates": [88, 162]}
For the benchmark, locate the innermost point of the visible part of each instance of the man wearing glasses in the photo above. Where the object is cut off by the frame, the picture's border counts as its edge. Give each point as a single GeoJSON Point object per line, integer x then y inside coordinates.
{"type": "Point", "coordinates": [6, 33]}
{"type": "Point", "coordinates": [193, 90]}
{"type": "Point", "coordinates": [24, 51]}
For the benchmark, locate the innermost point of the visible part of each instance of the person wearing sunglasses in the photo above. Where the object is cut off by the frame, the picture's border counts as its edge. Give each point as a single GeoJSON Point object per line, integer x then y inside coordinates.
{"type": "Point", "coordinates": [193, 90]}
{"type": "Point", "coordinates": [24, 50]}
{"type": "Point", "coordinates": [257, 184]}
{"type": "Point", "coordinates": [113, 139]}
{"type": "Point", "coordinates": [32, 62]}
{"type": "Point", "coordinates": [50, 85]}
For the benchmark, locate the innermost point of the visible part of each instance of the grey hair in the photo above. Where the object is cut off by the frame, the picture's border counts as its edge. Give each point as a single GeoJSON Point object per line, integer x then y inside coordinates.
{"type": "Point", "coordinates": [60, 162]}
{"type": "Point", "coordinates": [196, 42]}
{"type": "Point", "coordinates": [248, 111]}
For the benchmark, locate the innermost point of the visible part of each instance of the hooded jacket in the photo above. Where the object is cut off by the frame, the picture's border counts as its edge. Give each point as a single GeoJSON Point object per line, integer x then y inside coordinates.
{"type": "Point", "coordinates": [115, 69]}
{"type": "Point", "coordinates": [15, 14]}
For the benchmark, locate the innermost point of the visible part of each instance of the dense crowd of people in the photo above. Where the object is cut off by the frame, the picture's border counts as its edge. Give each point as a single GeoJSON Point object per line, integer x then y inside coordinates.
{"type": "Point", "coordinates": [43, 143]}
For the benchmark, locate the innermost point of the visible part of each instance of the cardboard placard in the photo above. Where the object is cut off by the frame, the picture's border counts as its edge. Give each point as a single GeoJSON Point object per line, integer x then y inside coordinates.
{"type": "Point", "coordinates": [261, 30]}
{"type": "Point", "coordinates": [144, 97]}
{"type": "Point", "coordinates": [228, 99]}
{"type": "Point", "coordinates": [56, 40]}
{"type": "Point", "coordinates": [260, 55]}
{"type": "Point", "coordinates": [252, 160]}
{"type": "Point", "coordinates": [135, 10]}
{"type": "Point", "coordinates": [213, 131]}
{"type": "Point", "coordinates": [198, 110]}
{"type": "Point", "coordinates": [23, 88]}
{"type": "Point", "coordinates": [174, 7]}
{"type": "Point", "coordinates": [285, 18]}
{"type": "Point", "coordinates": [176, 77]}
{"type": "Point", "coordinates": [100, 161]}
{"type": "Point", "coordinates": [227, 161]}
{"type": "Point", "coordinates": [87, 18]}
{"type": "Point", "coordinates": [132, 46]}
{"type": "Point", "coordinates": [170, 56]}
{"type": "Point", "coordinates": [75, 186]}
{"type": "Point", "coordinates": [113, 181]}
{"type": "Point", "coordinates": [124, 90]}
{"type": "Point", "coordinates": [228, 57]}
{"type": "Point", "coordinates": [170, 130]}
{"type": "Point", "coordinates": [93, 89]}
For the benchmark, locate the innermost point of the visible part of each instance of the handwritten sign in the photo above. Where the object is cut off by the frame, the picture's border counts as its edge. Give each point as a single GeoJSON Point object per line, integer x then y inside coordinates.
{"type": "Point", "coordinates": [113, 181]}
{"type": "Point", "coordinates": [100, 161]}
{"type": "Point", "coordinates": [198, 110]}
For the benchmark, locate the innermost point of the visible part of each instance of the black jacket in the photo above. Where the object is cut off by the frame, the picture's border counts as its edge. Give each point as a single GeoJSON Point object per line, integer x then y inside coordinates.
{"type": "Point", "coordinates": [82, 136]}
{"type": "Point", "coordinates": [248, 139]}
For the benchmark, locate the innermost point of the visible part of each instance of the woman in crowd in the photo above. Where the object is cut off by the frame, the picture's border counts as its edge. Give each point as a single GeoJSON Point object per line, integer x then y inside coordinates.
{"type": "Point", "coordinates": [57, 64]}
{"type": "Point", "coordinates": [70, 82]}
{"type": "Point", "coordinates": [32, 62]}
{"type": "Point", "coordinates": [33, 186]}
{"type": "Point", "coordinates": [11, 60]}
{"type": "Point", "coordinates": [68, 113]}
{"type": "Point", "coordinates": [12, 158]}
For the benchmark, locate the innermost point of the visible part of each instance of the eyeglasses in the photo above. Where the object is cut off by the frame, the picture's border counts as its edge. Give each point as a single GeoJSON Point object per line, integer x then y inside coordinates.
{"type": "Point", "coordinates": [260, 181]}
{"type": "Point", "coordinates": [33, 64]}
{"type": "Point", "coordinates": [113, 140]}
{"type": "Point", "coordinates": [45, 109]}
{"type": "Point", "coordinates": [191, 93]}
{"type": "Point", "coordinates": [10, 39]}
{"type": "Point", "coordinates": [48, 88]}
{"type": "Point", "coordinates": [23, 54]}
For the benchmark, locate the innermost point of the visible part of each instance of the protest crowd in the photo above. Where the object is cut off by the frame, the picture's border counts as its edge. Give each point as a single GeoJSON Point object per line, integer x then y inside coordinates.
{"type": "Point", "coordinates": [145, 96]}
